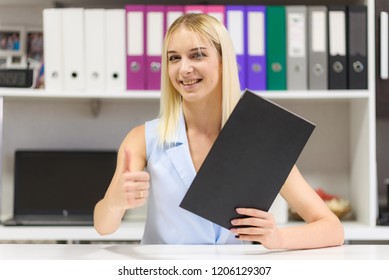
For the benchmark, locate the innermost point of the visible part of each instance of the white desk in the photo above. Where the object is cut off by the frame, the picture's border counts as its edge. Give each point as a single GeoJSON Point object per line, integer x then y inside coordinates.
{"type": "Point", "coordinates": [180, 252]}
{"type": "Point", "coordinates": [134, 230]}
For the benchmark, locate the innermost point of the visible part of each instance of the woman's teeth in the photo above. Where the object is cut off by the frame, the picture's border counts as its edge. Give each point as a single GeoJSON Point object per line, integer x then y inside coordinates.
{"type": "Point", "coordinates": [191, 82]}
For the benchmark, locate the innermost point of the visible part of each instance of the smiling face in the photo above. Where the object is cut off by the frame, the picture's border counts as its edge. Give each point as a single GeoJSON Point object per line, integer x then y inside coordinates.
{"type": "Point", "coordinates": [194, 66]}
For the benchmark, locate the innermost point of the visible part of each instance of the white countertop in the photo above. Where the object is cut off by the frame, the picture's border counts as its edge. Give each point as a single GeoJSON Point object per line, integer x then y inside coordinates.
{"type": "Point", "coordinates": [133, 231]}
{"type": "Point", "coordinates": [180, 252]}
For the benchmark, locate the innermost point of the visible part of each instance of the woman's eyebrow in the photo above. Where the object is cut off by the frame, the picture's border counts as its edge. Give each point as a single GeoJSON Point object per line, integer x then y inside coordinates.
{"type": "Point", "coordinates": [191, 50]}
{"type": "Point", "coordinates": [198, 48]}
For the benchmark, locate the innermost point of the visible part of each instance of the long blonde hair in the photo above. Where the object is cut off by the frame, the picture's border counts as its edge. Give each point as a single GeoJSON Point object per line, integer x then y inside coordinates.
{"type": "Point", "coordinates": [170, 106]}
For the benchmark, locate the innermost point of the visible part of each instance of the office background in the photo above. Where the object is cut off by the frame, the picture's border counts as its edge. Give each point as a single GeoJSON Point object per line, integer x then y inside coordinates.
{"type": "Point", "coordinates": [340, 157]}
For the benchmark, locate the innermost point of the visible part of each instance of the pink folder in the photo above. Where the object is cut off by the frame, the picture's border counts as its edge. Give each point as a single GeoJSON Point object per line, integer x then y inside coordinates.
{"type": "Point", "coordinates": [135, 46]}
{"type": "Point", "coordinates": [217, 11]}
{"type": "Point", "coordinates": [200, 9]}
{"type": "Point", "coordinates": [155, 31]}
{"type": "Point", "coordinates": [172, 13]}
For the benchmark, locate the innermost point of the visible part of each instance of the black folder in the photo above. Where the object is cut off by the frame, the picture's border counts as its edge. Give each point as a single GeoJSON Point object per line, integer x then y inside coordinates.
{"type": "Point", "coordinates": [357, 47]}
{"type": "Point", "coordinates": [337, 61]}
{"type": "Point", "coordinates": [382, 83]}
{"type": "Point", "coordinates": [249, 161]}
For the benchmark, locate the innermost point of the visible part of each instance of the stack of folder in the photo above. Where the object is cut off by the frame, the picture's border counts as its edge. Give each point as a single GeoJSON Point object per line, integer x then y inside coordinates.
{"type": "Point", "coordinates": [277, 47]}
{"type": "Point", "coordinates": [146, 27]}
{"type": "Point", "coordinates": [84, 49]}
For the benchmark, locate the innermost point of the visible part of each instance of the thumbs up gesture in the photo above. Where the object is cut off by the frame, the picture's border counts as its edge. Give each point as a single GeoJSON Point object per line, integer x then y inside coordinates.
{"type": "Point", "coordinates": [132, 187]}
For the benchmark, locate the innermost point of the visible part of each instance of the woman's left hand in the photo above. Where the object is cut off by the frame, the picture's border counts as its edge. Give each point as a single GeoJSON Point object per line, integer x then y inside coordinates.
{"type": "Point", "coordinates": [258, 226]}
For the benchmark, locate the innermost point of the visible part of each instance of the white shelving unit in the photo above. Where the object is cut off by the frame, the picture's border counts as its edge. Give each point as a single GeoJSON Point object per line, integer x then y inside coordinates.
{"type": "Point", "coordinates": [340, 139]}
{"type": "Point", "coordinates": [340, 156]}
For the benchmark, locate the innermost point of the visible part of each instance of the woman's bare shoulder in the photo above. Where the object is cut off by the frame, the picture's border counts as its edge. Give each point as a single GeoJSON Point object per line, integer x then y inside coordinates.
{"type": "Point", "coordinates": [135, 137]}
{"type": "Point", "coordinates": [135, 144]}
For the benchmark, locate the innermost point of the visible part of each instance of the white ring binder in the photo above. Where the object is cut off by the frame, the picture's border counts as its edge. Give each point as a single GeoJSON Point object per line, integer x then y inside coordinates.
{"type": "Point", "coordinates": [384, 45]}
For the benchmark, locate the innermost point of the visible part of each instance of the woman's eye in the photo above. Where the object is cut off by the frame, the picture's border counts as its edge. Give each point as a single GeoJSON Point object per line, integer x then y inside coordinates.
{"type": "Point", "coordinates": [198, 55]}
{"type": "Point", "coordinates": [173, 58]}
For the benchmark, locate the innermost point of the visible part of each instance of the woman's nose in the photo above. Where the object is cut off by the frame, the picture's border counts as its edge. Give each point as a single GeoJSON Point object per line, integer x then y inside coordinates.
{"type": "Point", "coordinates": [186, 66]}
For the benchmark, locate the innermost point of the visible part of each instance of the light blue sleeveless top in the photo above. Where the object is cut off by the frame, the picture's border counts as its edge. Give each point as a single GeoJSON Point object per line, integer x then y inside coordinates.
{"type": "Point", "coordinates": [171, 173]}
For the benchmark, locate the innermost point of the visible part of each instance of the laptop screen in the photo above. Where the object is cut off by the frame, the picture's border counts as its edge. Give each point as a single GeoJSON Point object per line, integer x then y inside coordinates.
{"type": "Point", "coordinates": [61, 182]}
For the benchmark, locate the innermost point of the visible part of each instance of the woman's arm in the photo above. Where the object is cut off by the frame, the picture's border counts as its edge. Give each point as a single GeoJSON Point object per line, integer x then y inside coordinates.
{"type": "Point", "coordinates": [322, 228]}
{"type": "Point", "coordinates": [129, 187]}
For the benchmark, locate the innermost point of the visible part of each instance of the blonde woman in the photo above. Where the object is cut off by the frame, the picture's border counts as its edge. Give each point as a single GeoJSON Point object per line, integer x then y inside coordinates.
{"type": "Point", "coordinates": [158, 161]}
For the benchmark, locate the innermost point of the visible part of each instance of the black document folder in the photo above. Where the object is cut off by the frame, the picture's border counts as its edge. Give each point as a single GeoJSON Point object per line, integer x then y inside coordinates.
{"type": "Point", "coordinates": [337, 49]}
{"type": "Point", "coordinates": [381, 56]}
{"type": "Point", "coordinates": [249, 161]}
{"type": "Point", "coordinates": [357, 47]}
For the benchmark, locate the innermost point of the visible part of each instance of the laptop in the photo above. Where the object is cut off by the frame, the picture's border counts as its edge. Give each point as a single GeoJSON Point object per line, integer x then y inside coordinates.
{"type": "Point", "coordinates": [249, 161]}
{"type": "Point", "coordinates": [54, 187]}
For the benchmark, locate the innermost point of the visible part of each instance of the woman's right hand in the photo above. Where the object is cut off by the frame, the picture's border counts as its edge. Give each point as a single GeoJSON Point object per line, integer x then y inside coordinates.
{"type": "Point", "coordinates": [131, 189]}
